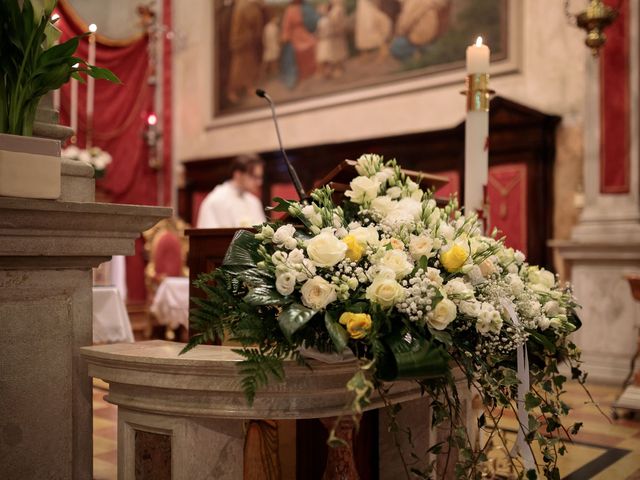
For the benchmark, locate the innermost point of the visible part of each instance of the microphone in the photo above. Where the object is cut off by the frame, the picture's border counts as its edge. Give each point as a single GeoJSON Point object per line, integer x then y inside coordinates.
{"type": "Point", "coordinates": [292, 172]}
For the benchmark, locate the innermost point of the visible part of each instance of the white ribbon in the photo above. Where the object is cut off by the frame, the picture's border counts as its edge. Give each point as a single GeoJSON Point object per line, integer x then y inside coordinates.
{"type": "Point", "coordinates": [521, 447]}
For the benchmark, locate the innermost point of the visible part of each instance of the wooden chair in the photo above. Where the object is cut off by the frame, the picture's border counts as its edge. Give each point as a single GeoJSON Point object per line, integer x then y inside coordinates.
{"type": "Point", "coordinates": [166, 248]}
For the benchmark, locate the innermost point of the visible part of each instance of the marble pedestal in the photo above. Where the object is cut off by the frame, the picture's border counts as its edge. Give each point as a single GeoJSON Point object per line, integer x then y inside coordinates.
{"type": "Point", "coordinates": [47, 250]}
{"type": "Point", "coordinates": [195, 406]}
{"type": "Point", "coordinates": [610, 316]}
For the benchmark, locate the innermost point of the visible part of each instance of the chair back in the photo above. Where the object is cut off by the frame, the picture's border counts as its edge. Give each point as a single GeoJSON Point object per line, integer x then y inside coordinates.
{"type": "Point", "coordinates": [166, 248]}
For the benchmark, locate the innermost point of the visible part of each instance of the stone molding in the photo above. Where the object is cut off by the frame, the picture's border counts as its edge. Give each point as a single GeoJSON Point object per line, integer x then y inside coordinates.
{"type": "Point", "coordinates": [69, 230]}
{"type": "Point", "coordinates": [151, 376]}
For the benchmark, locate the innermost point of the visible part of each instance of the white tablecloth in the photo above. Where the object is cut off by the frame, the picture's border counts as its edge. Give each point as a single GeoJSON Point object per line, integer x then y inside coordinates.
{"type": "Point", "coordinates": [171, 302]}
{"type": "Point", "coordinates": [110, 318]}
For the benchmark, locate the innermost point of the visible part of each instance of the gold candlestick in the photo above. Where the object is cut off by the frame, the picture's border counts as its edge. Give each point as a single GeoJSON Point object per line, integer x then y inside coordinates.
{"type": "Point", "coordinates": [478, 92]}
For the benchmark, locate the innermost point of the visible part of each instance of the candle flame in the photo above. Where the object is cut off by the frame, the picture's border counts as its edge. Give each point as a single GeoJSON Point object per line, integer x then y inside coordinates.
{"type": "Point", "coordinates": [93, 28]}
{"type": "Point", "coordinates": [479, 42]}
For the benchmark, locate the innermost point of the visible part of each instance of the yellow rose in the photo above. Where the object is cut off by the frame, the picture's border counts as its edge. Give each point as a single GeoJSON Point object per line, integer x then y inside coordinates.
{"type": "Point", "coordinates": [454, 258]}
{"type": "Point", "coordinates": [358, 324]}
{"type": "Point", "coordinates": [354, 248]}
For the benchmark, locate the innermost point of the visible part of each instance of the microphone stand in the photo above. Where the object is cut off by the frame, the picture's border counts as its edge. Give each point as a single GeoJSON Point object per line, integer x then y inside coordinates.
{"type": "Point", "coordinates": [292, 172]}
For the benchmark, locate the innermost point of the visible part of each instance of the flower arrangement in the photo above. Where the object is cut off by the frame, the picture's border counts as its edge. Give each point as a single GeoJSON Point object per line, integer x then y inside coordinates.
{"type": "Point", "coordinates": [94, 156]}
{"type": "Point", "coordinates": [413, 290]}
{"type": "Point", "coordinates": [32, 64]}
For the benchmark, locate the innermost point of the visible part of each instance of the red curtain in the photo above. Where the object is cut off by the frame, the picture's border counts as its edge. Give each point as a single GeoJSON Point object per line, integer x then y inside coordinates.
{"type": "Point", "coordinates": [119, 122]}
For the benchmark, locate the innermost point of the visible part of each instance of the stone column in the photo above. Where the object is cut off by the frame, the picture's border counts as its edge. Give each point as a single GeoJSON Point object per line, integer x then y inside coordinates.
{"type": "Point", "coordinates": [605, 244]}
{"type": "Point", "coordinates": [47, 250]}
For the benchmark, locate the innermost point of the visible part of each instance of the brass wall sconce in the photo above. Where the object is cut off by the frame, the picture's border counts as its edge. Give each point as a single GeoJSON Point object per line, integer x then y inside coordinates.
{"type": "Point", "coordinates": [594, 20]}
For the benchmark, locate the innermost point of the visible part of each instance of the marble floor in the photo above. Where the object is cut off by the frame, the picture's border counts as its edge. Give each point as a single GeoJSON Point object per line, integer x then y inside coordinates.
{"type": "Point", "coordinates": [603, 450]}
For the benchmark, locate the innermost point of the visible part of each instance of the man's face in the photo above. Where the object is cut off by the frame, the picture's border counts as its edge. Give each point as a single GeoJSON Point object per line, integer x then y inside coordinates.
{"type": "Point", "coordinates": [251, 180]}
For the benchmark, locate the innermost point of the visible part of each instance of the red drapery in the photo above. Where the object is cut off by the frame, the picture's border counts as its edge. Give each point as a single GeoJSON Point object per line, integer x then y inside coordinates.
{"type": "Point", "coordinates": [119, 122]}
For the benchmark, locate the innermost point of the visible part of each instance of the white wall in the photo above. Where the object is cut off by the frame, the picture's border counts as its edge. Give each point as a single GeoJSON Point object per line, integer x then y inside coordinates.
{"type": "Point", "coordinates": [551, 78]}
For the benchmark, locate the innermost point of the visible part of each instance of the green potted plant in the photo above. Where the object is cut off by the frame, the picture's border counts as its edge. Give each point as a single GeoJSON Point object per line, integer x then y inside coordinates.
{"type": "Point", "coordinates": [31, 65]}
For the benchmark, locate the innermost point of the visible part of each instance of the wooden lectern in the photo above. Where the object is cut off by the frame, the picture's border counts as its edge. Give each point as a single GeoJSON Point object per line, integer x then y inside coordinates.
{"type": "Point", "coordinates": [207, 248]}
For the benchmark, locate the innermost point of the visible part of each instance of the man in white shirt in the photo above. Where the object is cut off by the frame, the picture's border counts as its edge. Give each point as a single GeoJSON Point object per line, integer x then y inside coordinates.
{"type": "Point", "coordinates": [234, 203]}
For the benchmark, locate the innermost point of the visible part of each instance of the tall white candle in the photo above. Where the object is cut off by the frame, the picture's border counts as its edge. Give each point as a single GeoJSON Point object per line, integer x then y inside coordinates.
{"type": "Point", "coordinates": [74, 105]}
{"type": "Point", "coordinates": [91, 84]}
{"type": "Point", "coordinates": [476, 157]}
{"type": "Point", "coordinates": [478, 57]}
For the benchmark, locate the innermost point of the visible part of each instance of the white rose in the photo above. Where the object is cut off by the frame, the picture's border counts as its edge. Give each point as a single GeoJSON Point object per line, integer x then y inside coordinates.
{"type": "Point", "coordinates": [85, 157]}
{"type": "Point", "coordinates": [385, 292]}
{"type": "Point", "coordinates": [366, 235]}
{"type": "Point", "coordinates": [397, 261]}
{"type": "Point", "coordinates": [519, 257]}
{"type": "Point", "coordinates": [543, 323]}
{"type": "Point", "coordinates": [317, 293]}
{"type": "Point", "coordinates": [515, 283]}
{"type": "Point", "coordinates": [542, 277]}
{"type": "Point", "coordinates": [459, 288]}
{"type": "Point", "coordinates": [279, 257]}
{"type": "Point", "coordinates": [284, 236]}
{"type": "Point", "coordinates": [363, 189]}
{"type": "Point", "coordinates": [312, 214]}
{"type": "Point", "coordinates": [295, 256]}
{"type": "Point", "coordinates": [394, 192]}
{"type": "Point", "coordinates": [383, 205]}
{"type": "Point", "coordinates": [487, 268]}
{"type": "Point", "coordinates": [441, 316]}
{"type": "Point", "coordinates": [553, 308]}
{"type": "Point", "coordinates": [325, 250]}
{"type": "Point", "coordinates": [506, 256]}
{"type": "Point", "coordinates": [474, 274]}
{"type": "Point", "coordinates": [446, 231]}
{"type": "Point", "coordinates": [378, 272]}
{"type": "Point", "coordinates": [385, 174]}
{"type": "Point", "coordinates": [71, 152]}
{"type": "Point", "coordinates": [285, 283]}
{"type": "Point", "coordinates": [470, 308]}
{"type": "Point", "coordinates": [420, 246]}
{"type": "Point", "coordinates": [411, 206]}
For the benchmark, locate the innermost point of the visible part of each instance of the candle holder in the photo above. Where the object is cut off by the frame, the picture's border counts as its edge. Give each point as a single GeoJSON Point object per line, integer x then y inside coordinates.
{"type": "Point", "coordinates": [478, 92]}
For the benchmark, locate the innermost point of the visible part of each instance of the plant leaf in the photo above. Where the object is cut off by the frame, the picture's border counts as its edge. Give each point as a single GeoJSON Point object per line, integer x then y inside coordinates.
{"type": "Point", "coordinates": [264, 295]}
{"type": "Point", "coordinates": [338, 334]}
{"type": "Point", "coordinates": [242, 253]}
{"type": "Point", "coordinates": [294, 317]}
{"type": "Point", "coordinates": [102, 74]}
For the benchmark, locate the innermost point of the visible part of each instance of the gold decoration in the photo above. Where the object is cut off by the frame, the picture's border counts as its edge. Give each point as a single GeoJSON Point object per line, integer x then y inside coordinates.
{"type": "Point", "coordinates": [478, 92]}
{"type": "Point", "coordinates": [594, 20]}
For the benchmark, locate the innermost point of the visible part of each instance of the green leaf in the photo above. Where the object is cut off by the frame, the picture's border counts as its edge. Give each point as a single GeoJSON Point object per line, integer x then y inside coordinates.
{"type": "Point", "coordinates": [58, 53]}
{"type": "Point", "coordinates": [102, 74]}
{"type": "Point", "coordinates": [242, 253]}
{"type": "Point", "coordinates": [264, 295]}
{"type": "Point", "coordinates": [531, 401]}
{"type": "Point", "coordinates": [442, 337]}
{"type": "Point", "coordinates": [294, 317]}
{"type": "Point", "coordinates": [542, 339]}
{"type": "Point", "coordinates": [338, 334]}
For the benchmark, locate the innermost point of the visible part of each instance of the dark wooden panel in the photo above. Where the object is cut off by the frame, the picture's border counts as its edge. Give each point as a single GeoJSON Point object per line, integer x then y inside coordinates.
{"type": "Point", "coordinates": [518, 134]}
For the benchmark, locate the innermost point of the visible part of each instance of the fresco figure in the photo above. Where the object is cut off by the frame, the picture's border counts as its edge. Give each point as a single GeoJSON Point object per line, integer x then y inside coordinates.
{"type": "Point", "coordinates": [271, 45]}
{"type": "Point", "coordinates": [298, 52]}
{"type": "Point", "coordinates": [419, 23]}
{"type": "Point", "coordinates": [372, 29]}
{"type": "Point", "coordinates": [245, 47]}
